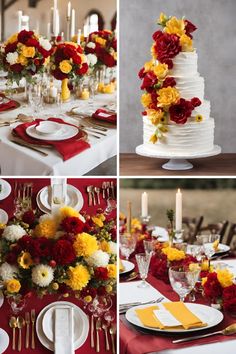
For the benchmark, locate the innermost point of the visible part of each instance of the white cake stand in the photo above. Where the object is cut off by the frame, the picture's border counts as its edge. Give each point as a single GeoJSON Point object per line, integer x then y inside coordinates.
{"type": "Point", "coordinates": [176, 162]}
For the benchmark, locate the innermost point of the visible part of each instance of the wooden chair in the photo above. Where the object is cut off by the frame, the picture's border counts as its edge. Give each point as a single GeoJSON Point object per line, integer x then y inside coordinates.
{"type": "Point", "coordinates": [231, 237]}
{"type": "Point", "coordinates": [192, 227]}
{"type": "Point", "coordinates": [218, 228]}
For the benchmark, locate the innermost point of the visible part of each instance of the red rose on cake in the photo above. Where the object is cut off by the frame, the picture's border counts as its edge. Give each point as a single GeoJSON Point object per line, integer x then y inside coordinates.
{"type": "Point", "coordinates": [166, 46]}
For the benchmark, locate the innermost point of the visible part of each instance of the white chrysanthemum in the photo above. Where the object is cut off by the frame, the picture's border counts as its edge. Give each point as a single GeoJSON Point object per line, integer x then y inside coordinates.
{"type": "Point", "coordinates": [42, 275]}
{"type": "Point", "coordinates": [92, 59]}
{"type": "Point", "coordinates": [13, 233]}
{"type": "Point", "coordinates": [45, 43]}
{"type": "Point", "coordinates": [91, 45]}
{"type": "Point", "coordinates": [113, 247]}
{"type": "Point", "coordinates": [98, 259]}
{"type": "Point", "coordinates": [12, 58]}
{"type": "Point", "coordinates": [8, 271]}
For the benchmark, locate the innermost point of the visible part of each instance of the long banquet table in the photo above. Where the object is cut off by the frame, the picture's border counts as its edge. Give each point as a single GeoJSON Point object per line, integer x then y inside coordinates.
{"type": "Point", "coordinates": [34, 302]}
{"type": "Point", "coordinates": [132, 341]}
{"type": "Point", "coordinates": [17, 160]}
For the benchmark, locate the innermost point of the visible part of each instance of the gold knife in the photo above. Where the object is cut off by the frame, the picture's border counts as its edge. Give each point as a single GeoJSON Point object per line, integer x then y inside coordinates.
{"type": "Point", "coordinates": [29, 147]}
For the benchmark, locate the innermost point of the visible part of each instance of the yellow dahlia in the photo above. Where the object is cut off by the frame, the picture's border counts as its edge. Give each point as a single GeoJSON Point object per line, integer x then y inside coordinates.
{"type": "Point", "coordinates": [225, 277]}
{"type": "Point", "coordinates": [25, 260]}
{"type": "Point", "coordinates": [68, 212]}
{"type": "Point", "coordinates": [168, 96]}
{"type": "Point", "coordinates": [173, 254]}
{"type": "Point", "coordinates": [13, 286]}
{"type": "Point", "coordinates": [175, 26]}
{"type": "Point", "coordinates": [46, 228]}
{"type": "Point", "coordinates": [112, 270]}
{"type": "Point", "coordinates": [78, 277]}
{"type": "Point", "coordinates": [85, 245]}
{"type": "Point", "coordinates": [186, 43]}
{"type": "Point", "coordinates": [146, 99]}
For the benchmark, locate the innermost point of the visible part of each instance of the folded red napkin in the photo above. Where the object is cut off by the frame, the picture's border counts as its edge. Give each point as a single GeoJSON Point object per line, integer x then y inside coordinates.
{"type": "Point", "coordinates": [104, 115]}
{"type": "Point", "coordinates": [66, 148]}
{"type": "Point", "coordinates": [8, 105]}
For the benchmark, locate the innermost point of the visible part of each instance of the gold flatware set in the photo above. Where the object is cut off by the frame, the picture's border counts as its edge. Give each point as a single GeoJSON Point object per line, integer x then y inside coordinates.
{"type": "Point", "coordinates": [19, 323]}
{"type": "Point", "coordinates": [96, 326]}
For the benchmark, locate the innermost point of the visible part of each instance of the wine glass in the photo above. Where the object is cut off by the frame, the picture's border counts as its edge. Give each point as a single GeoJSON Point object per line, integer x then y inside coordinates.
{"type": "Point", "coordinates": [183, 280]}
{"type": "Point", "coordinates": [143, 261]}
{"type": "Point", "coordinates": [127, 245]}
{"type": "Point", "coordinates": [149, 246]}
{"type": "Point", "coordinates": [35, 96]}
{"type": "Point", "coordinates": [100, 305]}
{"type": "Point", "coordinates": [207, 242]}
{"type": "Point", "coordinates": [17, 303]}
{"type": "Point", "coordinates": [111, 205]}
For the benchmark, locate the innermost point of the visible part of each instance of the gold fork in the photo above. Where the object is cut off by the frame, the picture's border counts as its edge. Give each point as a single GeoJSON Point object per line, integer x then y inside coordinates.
{"type": "Point", "coordinates": [98, 328]}
{"type": "Point", "coordinates": [32, 314]}
{"type": "Point", "coordinates": [27, 321]}
{"type": "Point", "coordinates": [112, 331]}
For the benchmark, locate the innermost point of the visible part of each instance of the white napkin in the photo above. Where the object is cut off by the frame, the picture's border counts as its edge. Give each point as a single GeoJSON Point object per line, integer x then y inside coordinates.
{"type": "Point", "coordinates": [64, 330]}
{"type": "Point", "coordinates": [160, 233]}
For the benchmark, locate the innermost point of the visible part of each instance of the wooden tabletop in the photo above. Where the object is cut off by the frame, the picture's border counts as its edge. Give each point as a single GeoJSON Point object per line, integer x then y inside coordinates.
{"type": "Point", "coordinates": [136, 165]}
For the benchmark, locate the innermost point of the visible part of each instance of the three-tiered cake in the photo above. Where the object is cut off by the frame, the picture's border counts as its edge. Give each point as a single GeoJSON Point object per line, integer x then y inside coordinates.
{"type": "Point", "coordinates": [177, 118]}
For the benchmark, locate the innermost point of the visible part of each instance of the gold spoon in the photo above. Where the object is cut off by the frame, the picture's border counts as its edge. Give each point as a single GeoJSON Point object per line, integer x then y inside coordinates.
{"type": "Point", "coordinates": [20, 118]}
{"type": "Point", "coordinates": [13, 325]}
{"type": "Point", "coordinates": [226, 332]}
{"type": "Point", "coordinates": [20, 325]}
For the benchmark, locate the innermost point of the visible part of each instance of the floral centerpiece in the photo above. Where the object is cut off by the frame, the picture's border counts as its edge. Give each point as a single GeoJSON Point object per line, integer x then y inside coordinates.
{"type": "Point", "coordinates": [68, 61]}
{"type": "Point", "coordinates": [219, 287]}
{"type": "Point", "coordinates": [161, 99]}
{"type": "Point", "coordinates": [64, 253]}
{"type": "Point", "coordinates": [23, 55]}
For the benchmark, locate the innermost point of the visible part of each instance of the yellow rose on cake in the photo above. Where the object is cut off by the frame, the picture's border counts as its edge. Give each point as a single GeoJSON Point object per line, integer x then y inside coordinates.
{"type": "Point", "coordinates": [168, 96]}
{"type": "Point", "coordinates": [175, 26]}
{"type": "Point", "coordinates": [160, 70]}
{"type": "Point", "coordinates": [146, 99]}
{"type": "Point", "coordinates": [186, 43]}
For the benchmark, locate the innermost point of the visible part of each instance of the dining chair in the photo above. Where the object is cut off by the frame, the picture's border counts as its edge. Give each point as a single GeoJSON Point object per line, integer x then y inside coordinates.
{"type": "Point", "coordinates": [231, 237]}
{"type": "Point", "coordinates": [192, 227]}
{"type": "Point", "coordinates": [217, 228]}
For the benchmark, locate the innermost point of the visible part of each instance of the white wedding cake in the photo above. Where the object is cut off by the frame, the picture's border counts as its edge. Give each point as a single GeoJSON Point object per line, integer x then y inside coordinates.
{"type": "Point", "coordinates": [177, 118]}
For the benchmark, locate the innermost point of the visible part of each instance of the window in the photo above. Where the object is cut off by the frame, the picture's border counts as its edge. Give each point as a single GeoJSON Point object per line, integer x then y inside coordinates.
{"type": "Point", "coordinates": [95, 21]}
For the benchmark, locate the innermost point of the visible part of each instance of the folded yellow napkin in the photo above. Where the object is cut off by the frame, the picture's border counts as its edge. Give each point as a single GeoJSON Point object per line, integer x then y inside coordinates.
{"type": "Point", "coordinates": [177, 309]}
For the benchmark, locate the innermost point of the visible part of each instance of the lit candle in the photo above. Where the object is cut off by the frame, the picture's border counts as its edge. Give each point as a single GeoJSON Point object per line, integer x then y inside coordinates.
{"type": "Point", "coordinates": [49, 30]}
{"type": "Point", "coordinates": [68, 9]}
{"type": "Point", "coordinates": [144, 205]}
{"type": "Point", "coordinates": [85, 94]}
{"type": "Point", "coordinates": [129, 216]}
{"type": "Point", "coordinates": [178, 211]}
{"type": "Point", "coordinates": [53, 92]}
{"type": "Point", "coordinates": [19, 20]}
{"type": "Point", "coordinates": [78, 36]}
{"type": "Point", "coordinates": [72, 33]}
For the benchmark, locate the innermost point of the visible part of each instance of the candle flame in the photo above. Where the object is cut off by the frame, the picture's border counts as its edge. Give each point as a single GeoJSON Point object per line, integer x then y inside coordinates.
{"type": "Point", "coordinates": [178, 190]}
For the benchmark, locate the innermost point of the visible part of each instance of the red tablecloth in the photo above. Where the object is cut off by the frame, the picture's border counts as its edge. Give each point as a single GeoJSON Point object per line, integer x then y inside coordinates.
{"type": "Point", "coordinates": [133, 341]}
{"type": "Point", "coordinates": [34, 302]}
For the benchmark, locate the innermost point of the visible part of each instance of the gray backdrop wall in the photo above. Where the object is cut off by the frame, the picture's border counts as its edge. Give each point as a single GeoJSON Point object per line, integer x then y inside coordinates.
{"type": "Point", "coordinates": [215, 40]}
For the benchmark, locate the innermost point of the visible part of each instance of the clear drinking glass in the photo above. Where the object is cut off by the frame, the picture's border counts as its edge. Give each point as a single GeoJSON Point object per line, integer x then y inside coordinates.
{"type": "Point", "coordinates": [17, 303]}
{"type": "Point", "coordinates": [127, 245]}
{"type": "Point", "coordinates": [183, 280]}
{"type": "Point", "coordinates": [195, 251]}
{"type": "Point", "coordinates": [111, 205]}
{"type": "Point", "coordinates": [149, 246]}
{"type": "Point", "coordinates": [207, 242]}
{"type": "Point", "coordinates": [35, 96]}
{"type": "Point", "coordinates": [143, 261]}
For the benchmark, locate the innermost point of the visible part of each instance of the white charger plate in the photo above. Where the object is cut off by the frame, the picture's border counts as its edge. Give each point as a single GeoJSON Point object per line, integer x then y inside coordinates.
{"type": "Point", "coordinates": [67, 132]}
{"type": "Point", "coordinates": [128, 266]}
{"type": "Point", "coordinates": [205, 313]}
{"type": "Point", "coordinates": [74, 198]}
{"type": "Point", "coordinates": [3, 217]}
{"type": "Point", "coordinates": [43, 337]}
{"type": "Point", "coordinates": [6, 189]}
{"type": "Point", "coordinates": [1, 298]}
{"type": "Point", "coordinates": [4, 340]}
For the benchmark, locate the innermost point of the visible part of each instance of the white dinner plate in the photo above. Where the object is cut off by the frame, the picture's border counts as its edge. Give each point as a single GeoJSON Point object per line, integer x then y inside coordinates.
{"type": "Point", "coordinates": [1, 298]}
{"type": "Point", "coordinates": [74, 198]}
{"type": "Point", "coordinates": [84, 324]}
{"type": "Point", "coordinates": [67, 132]}
{"type": "Point", "coordinates": [3, 217]}
{"type": "Point", "coordinates": [205, 313]}
{"type": "Point", "coordinates": [128, 266]}
{"type": "Point", "coordinates": [5, 189]}
{"type": "Point", "coordinates": [4, 340]}
{"type": "Point", "coordinates": [40, 205]}
{"type": "Point", "coordinates": [222, 248]}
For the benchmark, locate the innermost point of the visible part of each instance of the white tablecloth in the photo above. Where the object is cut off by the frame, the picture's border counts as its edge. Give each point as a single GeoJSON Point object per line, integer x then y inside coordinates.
{"type": "Point", "coordinates": [20, 161]}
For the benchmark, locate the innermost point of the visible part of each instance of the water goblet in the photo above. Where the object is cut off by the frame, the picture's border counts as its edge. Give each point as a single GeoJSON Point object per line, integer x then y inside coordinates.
{"type": "Point", "coordinates": [149, 246]}
{"type": "Point", "coordinates": [35, 96]}
{"type": "Point", "coordinates": [143, 261]}
{"type": "Point", "coordinates": [127, 244]}
{"type": "Point", "coordinates": [111, 205]}
{"type": "Point", "coordinates": [183, 280]}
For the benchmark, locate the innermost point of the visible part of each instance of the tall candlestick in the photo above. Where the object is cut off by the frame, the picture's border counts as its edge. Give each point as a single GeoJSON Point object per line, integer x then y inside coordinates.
{"type": "Point", "coordinates": [178, 211]}
{"type": "Point", "coordinates": [78, 36]}
{"type": "Point", "coordinates": [20, 13]}
{"type": "Point", "coordinates": [129, 217]}
{"type": "Point", "coordinates": [144, 204]}
{"type": "Point", "coordinates": [72, 33]}
{"type": "Point", "coordinates": [68, 9]}
{"type": "Point", "coordinates": [49, 30]}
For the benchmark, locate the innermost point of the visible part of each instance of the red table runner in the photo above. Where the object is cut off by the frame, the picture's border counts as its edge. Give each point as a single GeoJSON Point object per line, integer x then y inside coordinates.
{"type": "Point", "coordinates": [34, 302]}
{"type": "Point", "coordinates": [132, 341]}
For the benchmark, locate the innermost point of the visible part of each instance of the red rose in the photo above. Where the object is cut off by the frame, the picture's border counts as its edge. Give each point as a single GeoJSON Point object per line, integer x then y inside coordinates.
{"type": "Point", "coordinates": [29, 217]}
{"type": "Point", "coordinates": [17, 68]}
{"type": "Point", "coordinates": [72, 225]}
{"type": "Point", "coordinates": [32, 42]}
{"type": "Point", "coordinates": [76, 59]}
{"type": "Point", "coordinates": [82, 70]}
{"type": "Point", "coordinates": [59, 75]}
{"type": "Point", "coordinates": [141, 73]}
{"type": "Point", "coordinates": [189, 28]}
{"type": "Point", "coordinates": [63, 252]}
{"type": "Point", "coordinates": [101, 273]}
{"type": "Point", "coordinates": [11, 47]}
{"type": "Point", "coordinates": [69, 52]}
{"type": "Point", "coordinates": [212, 287]}
{"type": "Point", "coordinates": [180, 112]}
{"type": "Point", "coordinates": [159, 268]}
{"type": "Point", "coordinates": [196, 102]}
{"type": "Point", "coordinates": [79, 49]}
{"type": "Point", "coordinates": [167, 46]}
{"type": "Point", "coordinates": [169, 81]}
{"type": "Point", "coordinates": [45, 53]}
{"type": "Point", "coordinates": [24, 36]}
{"type": "Point", "coordinates": [149, 81]}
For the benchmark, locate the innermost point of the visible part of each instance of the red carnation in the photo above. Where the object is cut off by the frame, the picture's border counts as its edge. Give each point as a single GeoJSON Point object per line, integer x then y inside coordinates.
{"type": "Point", "coordinates": [82, 70]}
{"type": "Point", "coordinates": [41, 247]}
{"type": "Point", "coordinates": [149, 81]}
{"type": "Point", "coordinates": [196, 102]}
{"type": "Point", "coordinates": [72, 225]}
{"type": "Point", "coordinates": [11, 47]}
{"type": "Point", "coordinates": [101, 273]}
{"type": "Point", "coordinates": [29, 217]}
{"type": "Point", "coordinates": [189, 28]}
{"type": "Point", "coordinates": [24, 243]}
{"type": "Point", "coordinates": [63, 252]}
{"type": "Point", "coordinates": [167, 46]}
{"type": "Point", "coordinates": [24, 36]}
{"type": "Point", "coordinates": [180, 112]}
{"type": "Point", "coordinates": [169, 63]}
{"type": "Point", "coordinates": [17, 68]}
{"type": "Point", "coordinates": [169, 81]}
{"type": "Point", "coordinates": [212, 287]}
